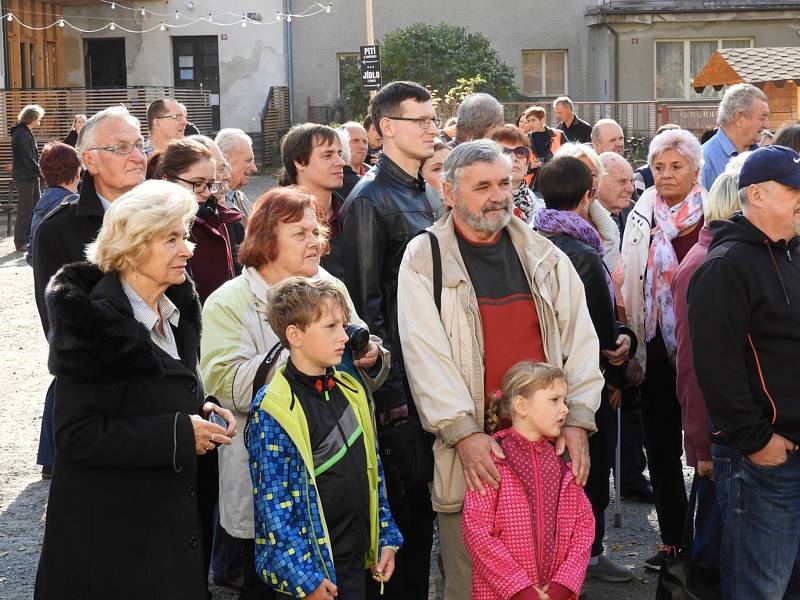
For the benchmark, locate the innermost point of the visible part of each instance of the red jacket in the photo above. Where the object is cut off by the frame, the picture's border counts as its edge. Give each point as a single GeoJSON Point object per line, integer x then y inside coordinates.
{"type": "Point", "coordinates": [536, 529]}
{"type": "Point", "coordinates": [212, 263]}
{"type": "Point", "coordinates": [696, 422]}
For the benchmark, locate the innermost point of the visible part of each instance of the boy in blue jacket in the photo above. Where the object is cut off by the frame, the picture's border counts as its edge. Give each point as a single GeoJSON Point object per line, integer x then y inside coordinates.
{"type": "Point", "coordinates": [321, 514]}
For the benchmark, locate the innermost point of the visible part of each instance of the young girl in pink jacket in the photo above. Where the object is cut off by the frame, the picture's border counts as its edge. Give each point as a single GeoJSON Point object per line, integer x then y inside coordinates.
{"type": "Point", "coordinates": [529, 539]}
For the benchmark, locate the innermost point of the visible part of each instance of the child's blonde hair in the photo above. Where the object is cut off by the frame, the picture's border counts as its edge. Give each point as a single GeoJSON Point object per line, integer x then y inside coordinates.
{"type": "Point", "coordinates": [523, 379]}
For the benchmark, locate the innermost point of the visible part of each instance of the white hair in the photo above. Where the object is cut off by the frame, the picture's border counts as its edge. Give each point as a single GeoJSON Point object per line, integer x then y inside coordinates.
{"type": "Point", "coordinates": [227, 139]}
{"type": "Point", "coordinates": [476, 114]}
{"type": "Point", "coordinates": [344, 139]}
{"type": "Point", "coordinates": [682, 141]}
{"type": "Point", "coordinates": [722, 199]}
{"type": "Point", "coordinates": [87, 135]}
{"type": "Point", "coordinates": [565, 100]}
{"type": "Point", "coordinates": [579, 151]}
{"type": "Point", "coordinates": [738, 99]}
{"type": "Point", "coordinates": [136, 218]}
{"type": "Point", "coordinates": [469, 153]}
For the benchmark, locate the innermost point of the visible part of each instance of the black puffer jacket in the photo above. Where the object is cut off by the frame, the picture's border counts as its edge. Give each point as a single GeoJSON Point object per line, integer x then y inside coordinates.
{"type": "Point", "coordinates": [24, 154]}
{"type": "Point", "coordinates": [744, 320]}
{"type": "Point", "coordinates": [384, 211]}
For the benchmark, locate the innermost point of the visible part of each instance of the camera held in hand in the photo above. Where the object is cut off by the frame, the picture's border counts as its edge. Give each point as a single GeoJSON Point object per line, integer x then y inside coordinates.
{"type": "Point", "coordinates": [358, 340]}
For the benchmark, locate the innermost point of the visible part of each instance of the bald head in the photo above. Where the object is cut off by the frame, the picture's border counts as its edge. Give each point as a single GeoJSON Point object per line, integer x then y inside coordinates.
{"type": "Point", "coordinates": [616, 186]}
{"type": "Point", "coordinates": [607, 136]}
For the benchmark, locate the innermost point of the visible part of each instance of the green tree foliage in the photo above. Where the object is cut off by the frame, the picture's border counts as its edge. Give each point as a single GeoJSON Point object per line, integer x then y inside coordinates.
{"type": "Point", "coordinates": [441, 57]}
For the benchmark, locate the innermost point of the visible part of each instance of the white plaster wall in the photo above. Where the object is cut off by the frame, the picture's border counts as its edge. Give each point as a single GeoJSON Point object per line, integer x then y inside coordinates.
{"type": "Point", "coordinates": [251, 59]}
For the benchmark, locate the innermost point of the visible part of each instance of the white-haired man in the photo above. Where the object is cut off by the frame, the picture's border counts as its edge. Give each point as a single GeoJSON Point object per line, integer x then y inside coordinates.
{"type": "Point", "coordinates": [356, 149]}
{"type": "Point", "coordinates": [536, 311]}
{"type": "Point", "coordinates": [237, 147]}
{"type": "Point", "coordinates": [742, 114]}
{"type": "Point", "coordinates": [477, 115]}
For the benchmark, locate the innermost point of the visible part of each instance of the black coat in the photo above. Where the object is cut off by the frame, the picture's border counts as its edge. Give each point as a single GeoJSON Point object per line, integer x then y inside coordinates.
{"type": "Point", "coordinates": [61, 238]}
{"type": "Point", "coordinates": [122, 516]}
{"type": "Point", "coordinates": [24, 154]}
{"type": "Point", "coordinates": [386, 208]}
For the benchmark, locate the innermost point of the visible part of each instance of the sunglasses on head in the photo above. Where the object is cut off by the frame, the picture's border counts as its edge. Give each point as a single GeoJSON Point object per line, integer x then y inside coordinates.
{"type": "Point", "coordinates": [519, 151]}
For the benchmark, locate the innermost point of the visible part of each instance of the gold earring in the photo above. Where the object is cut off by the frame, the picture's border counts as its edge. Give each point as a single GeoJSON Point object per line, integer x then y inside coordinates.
{"type": "Point", "coordinates": [135, 276]}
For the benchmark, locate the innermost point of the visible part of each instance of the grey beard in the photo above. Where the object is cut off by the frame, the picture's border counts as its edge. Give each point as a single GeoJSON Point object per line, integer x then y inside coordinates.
{"type": "Point", "coordinates": [481, 223]}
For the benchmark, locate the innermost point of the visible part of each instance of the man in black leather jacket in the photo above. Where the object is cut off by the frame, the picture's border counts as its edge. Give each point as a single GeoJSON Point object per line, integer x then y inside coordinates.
{"type": "Point", "coordinates": [566, 185]}
{"type": "Point", "coordinates": [387, 208]}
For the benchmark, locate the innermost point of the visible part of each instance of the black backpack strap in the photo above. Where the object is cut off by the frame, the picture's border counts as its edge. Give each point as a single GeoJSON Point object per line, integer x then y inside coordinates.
{"type": "Point", "coordinates": [258, 382]}
{"type": "Point", "coordinates": [436, 255]}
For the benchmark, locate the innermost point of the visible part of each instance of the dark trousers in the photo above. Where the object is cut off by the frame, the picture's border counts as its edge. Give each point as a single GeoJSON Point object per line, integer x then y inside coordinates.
{"type": "Point", "coordinates": [707, 525]}
{"type": "Point", "coordinates": [413, 514]}
{"type": "Point", "coordinates": [227, 557]}
{"type": "Point", "coordinates": [597, 485]}
{"type": "Point", "coordinates": [352, 586]}
{"type": "Point", "coordinates": [253, 587]}
{"type": "Point", "coordinates": [664, 442]}
{"type": "Point", "coordinates": [760, 506]}
{"type": "Point", "coordinates": [207, 495]}
{"type": "Point", "coordinates": [27, 197]}
{"type": "Point", "coordinates": [47, 443]}
{"type": "Point", "coordinates": [632, 458]}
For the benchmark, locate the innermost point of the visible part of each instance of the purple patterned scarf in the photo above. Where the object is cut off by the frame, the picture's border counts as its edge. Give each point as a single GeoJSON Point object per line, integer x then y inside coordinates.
{"type": "Point", "coordinates": [548, 220]}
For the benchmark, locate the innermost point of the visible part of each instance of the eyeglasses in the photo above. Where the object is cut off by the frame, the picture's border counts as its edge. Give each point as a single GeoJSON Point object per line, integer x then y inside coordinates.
{"type": "Point", "coordinates": [198, 187]}
{"type": "Point", "coordinates": [176, 117]}
{"type": "Point", "coordinates": [424, 123]}
{"type": "Point", "coordinates": [519, 151]}
{"type": "Point", "coordinates": [121, 148]}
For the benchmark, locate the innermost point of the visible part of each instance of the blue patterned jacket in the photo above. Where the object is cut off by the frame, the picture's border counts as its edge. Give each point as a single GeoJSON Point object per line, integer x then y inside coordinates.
{"type": "Point", "coordinates": [293, 552]}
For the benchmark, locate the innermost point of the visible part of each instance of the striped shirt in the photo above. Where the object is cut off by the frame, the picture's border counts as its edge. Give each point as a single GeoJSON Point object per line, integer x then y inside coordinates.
{"type": "Point", "coordinates": [145, 315]}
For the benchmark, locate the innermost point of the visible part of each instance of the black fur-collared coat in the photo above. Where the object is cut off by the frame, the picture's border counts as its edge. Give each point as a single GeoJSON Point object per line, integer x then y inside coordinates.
{"type": "Point", "coordinates": [122, 516]}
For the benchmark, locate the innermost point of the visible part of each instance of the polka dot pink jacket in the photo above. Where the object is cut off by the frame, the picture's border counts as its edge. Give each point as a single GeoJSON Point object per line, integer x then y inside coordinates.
{"type": "Point", "coordinates": [536, 529]}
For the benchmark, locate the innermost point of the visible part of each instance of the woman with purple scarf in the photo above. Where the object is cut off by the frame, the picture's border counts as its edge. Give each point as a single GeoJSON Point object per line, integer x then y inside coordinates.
{"type": "Point", "coordinates": [566, 185]}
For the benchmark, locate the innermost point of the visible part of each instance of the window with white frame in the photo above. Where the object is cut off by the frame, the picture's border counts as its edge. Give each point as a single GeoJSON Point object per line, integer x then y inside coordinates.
{"type": "Point", "coordinates": [678, 61]}
{"type": "Point", "coordinates": [343, 60]}
{"type": "Point", "coordinates": [544, 72]}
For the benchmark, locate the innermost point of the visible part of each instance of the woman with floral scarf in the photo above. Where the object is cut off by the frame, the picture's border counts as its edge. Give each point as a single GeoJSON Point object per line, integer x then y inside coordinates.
{"type": "Point", "coordinates": [516, 146]}
{"type": "Point", "coordinates": [660, 231]}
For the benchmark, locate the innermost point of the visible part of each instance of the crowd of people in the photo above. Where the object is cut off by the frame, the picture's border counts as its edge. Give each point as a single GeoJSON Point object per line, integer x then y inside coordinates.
{"type": "Point", "coordinates": [421, 327]}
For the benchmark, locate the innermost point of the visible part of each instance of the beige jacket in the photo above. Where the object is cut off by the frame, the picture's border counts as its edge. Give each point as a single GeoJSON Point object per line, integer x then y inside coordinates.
{"type": "Point", "coordinates": [236, 339]}
{"type": "Point", "coordinates": [444, 353]}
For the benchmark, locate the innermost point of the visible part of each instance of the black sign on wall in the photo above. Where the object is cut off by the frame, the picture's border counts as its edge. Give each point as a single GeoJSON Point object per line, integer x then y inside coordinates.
{"type": "Point", "coordinates": [370, 64]}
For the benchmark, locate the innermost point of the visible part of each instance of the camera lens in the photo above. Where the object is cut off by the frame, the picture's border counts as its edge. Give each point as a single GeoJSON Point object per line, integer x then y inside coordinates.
{"type": "Point", "coordinates": [358, 339]}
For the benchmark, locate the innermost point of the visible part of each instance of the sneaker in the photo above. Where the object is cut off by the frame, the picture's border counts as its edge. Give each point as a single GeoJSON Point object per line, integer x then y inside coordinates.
{"type": "Point", "coordinates": [47, 472]}
{"type": "Point", "coordinates": [608, 570]}
{"type": "Point", "coordinates": [655, 562]}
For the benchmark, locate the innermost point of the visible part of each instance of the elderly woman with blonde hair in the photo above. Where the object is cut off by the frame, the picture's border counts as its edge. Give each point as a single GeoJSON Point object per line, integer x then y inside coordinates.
{"type": "Point", "coordinates": [660, 231]}
{"type": "Point", "coordinates": [123, 517]}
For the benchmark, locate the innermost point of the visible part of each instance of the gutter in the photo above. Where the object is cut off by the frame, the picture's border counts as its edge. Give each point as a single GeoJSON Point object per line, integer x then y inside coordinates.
{"type": "Point", "coordinates": [287, 28]}
{"type": "Point", "coordinates": [616, 60]}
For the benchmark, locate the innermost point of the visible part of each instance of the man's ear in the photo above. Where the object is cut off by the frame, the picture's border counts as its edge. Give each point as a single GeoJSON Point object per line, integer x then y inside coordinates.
{"type": "Point", "coordinates": [387, 128]}
{"type": "Point", "coordinates": [448, 193]}
{"type": "Point", "coordinates": [756, 195]}
{"type": "Point", "coordinates": [88, 160]}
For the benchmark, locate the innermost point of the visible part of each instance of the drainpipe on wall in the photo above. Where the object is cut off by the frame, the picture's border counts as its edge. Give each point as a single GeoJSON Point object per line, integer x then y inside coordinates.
{"type": "Point", "coordinates": [287, 26]}
{"type": "Point", "coordinates": [6, 83]}
{"type": "Point", "coordinates": [616, 61]}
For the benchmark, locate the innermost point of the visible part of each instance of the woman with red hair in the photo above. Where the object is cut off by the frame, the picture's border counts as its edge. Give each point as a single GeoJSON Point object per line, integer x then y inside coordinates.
{"type": "Point", "coordinates": [239, 351]}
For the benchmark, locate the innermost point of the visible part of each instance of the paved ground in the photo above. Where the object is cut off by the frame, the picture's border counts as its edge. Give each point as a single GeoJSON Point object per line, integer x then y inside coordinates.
{"type": "Point", "coordinates": [23, 495]}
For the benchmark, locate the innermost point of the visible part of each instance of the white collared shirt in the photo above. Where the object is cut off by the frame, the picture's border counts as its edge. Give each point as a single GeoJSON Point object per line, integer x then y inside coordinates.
{"type": "Point", "coordinates": [145, 315]}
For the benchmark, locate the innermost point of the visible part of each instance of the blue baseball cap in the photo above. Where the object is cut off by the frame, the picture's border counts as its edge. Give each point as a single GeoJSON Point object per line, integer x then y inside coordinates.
{"type": "Point", "coordinates": [771, 163]}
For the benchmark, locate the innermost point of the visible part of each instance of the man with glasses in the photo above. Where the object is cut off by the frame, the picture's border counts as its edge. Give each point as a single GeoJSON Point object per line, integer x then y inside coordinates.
{"type": "Point", "coordinates": [385, 210]}
{"type": "Point", "coordinates": [166, 121]}
{"type": "Point", "coordinates": [111, 150]}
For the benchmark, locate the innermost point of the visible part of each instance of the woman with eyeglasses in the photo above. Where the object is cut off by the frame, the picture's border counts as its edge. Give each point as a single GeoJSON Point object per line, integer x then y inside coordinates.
{"type": "Point", "coordinates": [191, 165]}
{"type": "Point", "coordinates": [516, 146]}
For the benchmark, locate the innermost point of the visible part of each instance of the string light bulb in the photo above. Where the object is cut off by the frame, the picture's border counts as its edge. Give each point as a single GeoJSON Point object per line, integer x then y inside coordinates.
{"type": "Point", "coordinates": [10, 17]}
{"type": "Point", "coordinates": [177, 15]}
{"type": "Point", "coordinates": [61, 22]}
{"type": "Point", "coordinates": [162, 27]}
{"type": "Point", "coordinates": [328, 8]}
{"type": "Point", "coordinates": [288, 18]}
{"type": "Point", "coordinates": [277, 16]}
{"type": "Point", "coordinates": [113, 5]}
{"type": "Point", "coordinates": [112, 27]}
{"type": "Point", "coordinates": [244, 21]}
{"type": "Point", "coordinates": [143, 13]}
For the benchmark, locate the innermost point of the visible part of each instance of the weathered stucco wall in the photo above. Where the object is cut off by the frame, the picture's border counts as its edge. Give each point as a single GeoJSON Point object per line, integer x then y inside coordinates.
{"type": "Point", "coordinates": [251, 59]}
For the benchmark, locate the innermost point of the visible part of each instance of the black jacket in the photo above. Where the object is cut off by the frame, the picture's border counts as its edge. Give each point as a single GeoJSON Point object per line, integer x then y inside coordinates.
{"type": "Point", "coordinates": [122, 515]}
{"type": "Point", "coordinates": [744, 321]}
{"type": "Point", "coordinates": [72, 138]}
{"type": "Point", "coordinates": [332, 261]}
{"type": "Point", "coordinates": [602, 309]}
{"type": "Point", "coordinates": [580, 132]}
{"type": "Point", "coordinates": [24, 154]}
{"type": "Point", "coordinates": [351, 178]}
{"type": "Point", "coordinates": [61, 239]}
{"type": "Point", "coordinates": [384, 211]}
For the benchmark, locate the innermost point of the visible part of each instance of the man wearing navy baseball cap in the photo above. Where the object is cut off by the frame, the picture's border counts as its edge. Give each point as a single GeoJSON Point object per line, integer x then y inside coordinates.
{"type": "Point", "coordinates": [744, 319]}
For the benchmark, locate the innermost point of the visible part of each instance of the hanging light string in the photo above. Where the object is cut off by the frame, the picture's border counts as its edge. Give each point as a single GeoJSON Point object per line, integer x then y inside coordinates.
{"type": "Point", "coordinates": [244, 20]}
{"type": "Point", "coordinates": [312, 10]}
